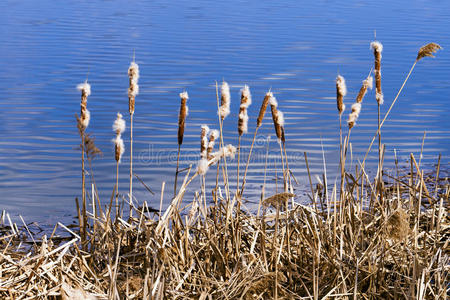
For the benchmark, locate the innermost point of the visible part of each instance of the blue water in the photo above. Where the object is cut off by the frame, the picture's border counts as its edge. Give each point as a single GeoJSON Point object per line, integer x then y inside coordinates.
{"type": "Point", "coordinates": [296, 48]}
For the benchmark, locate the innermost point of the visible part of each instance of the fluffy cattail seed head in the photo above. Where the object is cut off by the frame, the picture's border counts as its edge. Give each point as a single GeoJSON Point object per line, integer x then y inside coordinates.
{"type": "Point", "coordinates": [262, 110]}
{"type": "Point", "coordinates": [428, 50]}
{"type": "Point", "coordinates": [277, 117]}
{"type": "Point", "coordinates": [341, 91]}
{"type": "Point", "coordinates": [119, 147]}
{"type": "Point", "coordinates": [367, 84]}
{"type": "Point", "coordinates": [85, 116]}
{"type": "Point", "coordinates": [182, 116]}
{"type": "Point", "coordinates": [202, 167]}
{"type": "Point", "coordinates": [377, 48]}
{"type": "Point", "coordinates": [224, 109]}
{"type": "Point", "coordinates": [213, 136]}
{"type": "Point", "coordinates": [204, 141]}
{"type": "Point", "coordinates": [133, 89]}
{"type": "Point", "coordinates": [246, 100]}
{"type": "Point", "coordinates": [356, 109]}
{"type": "Point", "coordinates": [119, 124]}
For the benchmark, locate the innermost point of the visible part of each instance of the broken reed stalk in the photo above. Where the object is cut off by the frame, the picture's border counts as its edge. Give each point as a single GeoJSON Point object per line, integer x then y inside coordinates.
{"type": "Point", "coordinates": [133, 91]}
{"type": "Point", "coordinates": [82, 124]}
{"type": "Point", "coordinates": [119, 149]}
{"type": "Point", "coordinates": [262, 112]}
{"type": "Point", "coordinates": [181, 125]}
{"type": "Point", "coordinates": [223, 111]}
{"type": "Point", "coordinates": [278, 123]}
{"type": "Point", "coordinates": [425, 51]}
{"type": "Point", "coordinates": [246, 100]}
{"type": "Point", "coordinates": [341, 91]}
{"type": "Point", "coordinates": [377, 48]}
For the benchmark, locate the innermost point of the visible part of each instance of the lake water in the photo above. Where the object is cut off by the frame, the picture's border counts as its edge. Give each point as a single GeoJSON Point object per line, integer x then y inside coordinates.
{"type": "Point", "coordinates": [294, 48]}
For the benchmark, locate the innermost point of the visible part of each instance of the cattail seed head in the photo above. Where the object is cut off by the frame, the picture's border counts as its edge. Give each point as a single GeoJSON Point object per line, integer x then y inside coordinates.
{"type": "Point", "coordinates": [119, 124]}
{"type": "Point", "coordinates": [277, 117]}
{"type": "Point", "coordinates": [204, 141]}
{"type": "Point", "coordinates": [262, 110]}
{"type": "Point", "coordinates": [202, 167]}
{"type": "Point", "coordinates": [85, 116]}
{"type": "Point", "coordinates": [367, 84]}
{"type": "Point", "coordinates": [119, 147]}
{"type": "Point", "coordinates": [356, 109]}
{"type": "Point", "coordinates": [224, 109]}
{"type": "Point", "coordinates": [246, 100]}
{"type": "Point", "coordinates": [212, 139]}
{"type": "Point", "coordinates": [133, 89]}
{"type": "Point", "coordinates": [341, 91]}
{"type": "Point", "coordinates": [182, 116]}
{"type": "Point", "coordinates": [377, 48]}
{"type": "Point", "coordinates": [428, 50]}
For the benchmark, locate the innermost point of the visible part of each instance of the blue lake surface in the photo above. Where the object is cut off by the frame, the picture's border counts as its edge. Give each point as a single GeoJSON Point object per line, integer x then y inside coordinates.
{"type": "Point", "coordinates": [296, 48]}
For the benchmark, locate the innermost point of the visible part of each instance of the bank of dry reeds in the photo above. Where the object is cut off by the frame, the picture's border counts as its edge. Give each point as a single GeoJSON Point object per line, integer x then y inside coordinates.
{"type": "Point", "coordinates": [211, 247]}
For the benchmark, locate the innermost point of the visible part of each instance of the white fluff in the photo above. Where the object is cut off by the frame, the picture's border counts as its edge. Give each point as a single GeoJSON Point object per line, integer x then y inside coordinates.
{"type": "Point", "coordinates": [376, 46]}
{"type": "Point", "coordinates": [379, 97]}
{"type": "Point", "coordinates": [368, 82]}
{"type": "Point", "coordinates": [84, 87]}
{"type": "Point", "coordinates": [204, 141]}
{"type": "Point", "coordinates": [340, 82]}
{"type": "Point", "coordinates": [184, 95]}
{"type": "Point", "coordinates": [215, 133]}
{"type": "Point", "coordinates": [244, 125]}
{"type": "Point", "coordinates": [187, 110]}
{"type": "Point", "coordinates": [133, 73]}
{"type": "Point", "coordinates": [86, 118]}
{"type": "Point", "coordinates": [119, 124]}
{"type": "Point", "coordinates": [356, 107]}
{"type": "Point", "coordinates": [202, 167]}
{"type": "Point", "coordinates": [224, 109]}
{"type": "Point", "coordinates": [134, 91]}
{"type": "Point", "coordinates": [280, 118]}
{"type": "Point", "coordinates": [118, 142]}
{"type": "Point", "coordinates": [228, 151]}
{"type": "Point", "coordinates": [273, 100]}
{"type": "Point", "coordinates": [245, 92]}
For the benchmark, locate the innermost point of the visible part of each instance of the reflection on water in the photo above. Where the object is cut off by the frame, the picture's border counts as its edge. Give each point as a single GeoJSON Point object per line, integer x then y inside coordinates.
{"type": "Point", "coordinates": [293, 48]}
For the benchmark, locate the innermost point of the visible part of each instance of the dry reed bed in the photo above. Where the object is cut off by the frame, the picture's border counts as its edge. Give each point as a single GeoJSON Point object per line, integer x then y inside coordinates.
{"type": "Point", "coordinates": [363, 238]}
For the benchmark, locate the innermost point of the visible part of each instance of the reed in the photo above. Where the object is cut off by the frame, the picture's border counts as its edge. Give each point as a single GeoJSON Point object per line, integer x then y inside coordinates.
{"type": "Point", "coordinates": [119, 149]}
{"type": "Point", "coordinates": [246, 100]}
{"type": "Point", "coordinates": [278, 123]}
{"type": "Point", "coordinates": [223, 110]}
{"type": "Point", "coordinates": [133, 91]}
{"type": "Point", "coordinates": [341, 92]}
{"type": "Point", "coordinates": [82, 124]}
{"type": "Point", "coordinates": [259, 120]}
{"type": "Point", "coordinates": [181, 124]}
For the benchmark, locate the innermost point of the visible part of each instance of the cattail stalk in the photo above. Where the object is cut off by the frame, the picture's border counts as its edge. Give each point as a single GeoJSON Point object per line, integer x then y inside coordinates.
{"type": "Point", "coordinates": [278, 122]}
{"type": "Point", "coordinates": [83, 123]}
{"type": "Point", "coordinates": [181, 124]}
{"type": "Point", "coordinates": [425, 51]}
{"type": "Point", "coordinates": [119, 149]}
{"type": "Point", "coordinates": [246, 100]}
{"type": "Point", "coordinates": [262, 112]}
{"type": "Point", "coordinates": [341, 91]}
{"type": "Point", "coordinates": [133, 91]}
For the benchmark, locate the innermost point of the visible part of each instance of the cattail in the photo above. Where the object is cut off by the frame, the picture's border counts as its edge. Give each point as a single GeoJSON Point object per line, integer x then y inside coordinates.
{"type": "Point", "coordinates": [202, 167]}
{"type": "Point", "coordinates": [212, 139]}
{"type": "Point", "coordinates": [85, 115]}
{"type": "Point", "coordinates": [277, 117]}
{"type": "Point", "coordinates": [133, 90]}
{"type": "Point", "coordinates": [119, 128]}
{"type": "Point", "coordinates": [367, 84]}
{"type": "Point", "coordinates": [262, 110]}
{"type": "Point", "coordinates": [246, 100]}
{"type": "Point", "coordinates": [182, 116]}
{"type": "Point", "coordinates": [356, 107]}
{"type": "Point", "coordinates": [377, 48]}
{"type": "Point", "coordinates": [428, 50]}
{"type": "Point", "coordinates": [204, 141]}
{"type": "Point", "coordinates": [228, 151]}
{"type": "Point", "coordinates": [224, 109]}
{"type": "Point", "coordinates": [341, 91]}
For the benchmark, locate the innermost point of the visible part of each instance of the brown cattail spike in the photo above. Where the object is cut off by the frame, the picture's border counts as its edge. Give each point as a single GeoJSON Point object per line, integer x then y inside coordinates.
{"type": "Point", "coordinates": [428, 50]}
{"type": "Point", "coordinates": [182, 116]}
{"type": "Point", "coordinates": [341, 91]}
{"type": "Point", "coordinates": [85, 116]}
{"type": "Point", "coordinates": [263, 108]}
{"type": "Point", "coordinates": [224, 109]}
{"type": "Point", "coordinates": [367, 84]}
{"type": "Point", "coordinates": [133, 90]}
{"type": "Point", "coordinates": [204, 141]}
{"type": "Point", "coordinates": [377, 48]}
{"type": "Point", "coordinates": [212, 140]}
{"type": "Point", "coordinates": [246, 100]}
{"type": "Point", "coordinates": [277, 117]}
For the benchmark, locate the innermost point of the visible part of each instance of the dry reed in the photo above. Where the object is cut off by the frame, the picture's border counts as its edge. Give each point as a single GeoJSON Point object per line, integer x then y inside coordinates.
{"type": "Point", "coordinates": [119, 149]}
